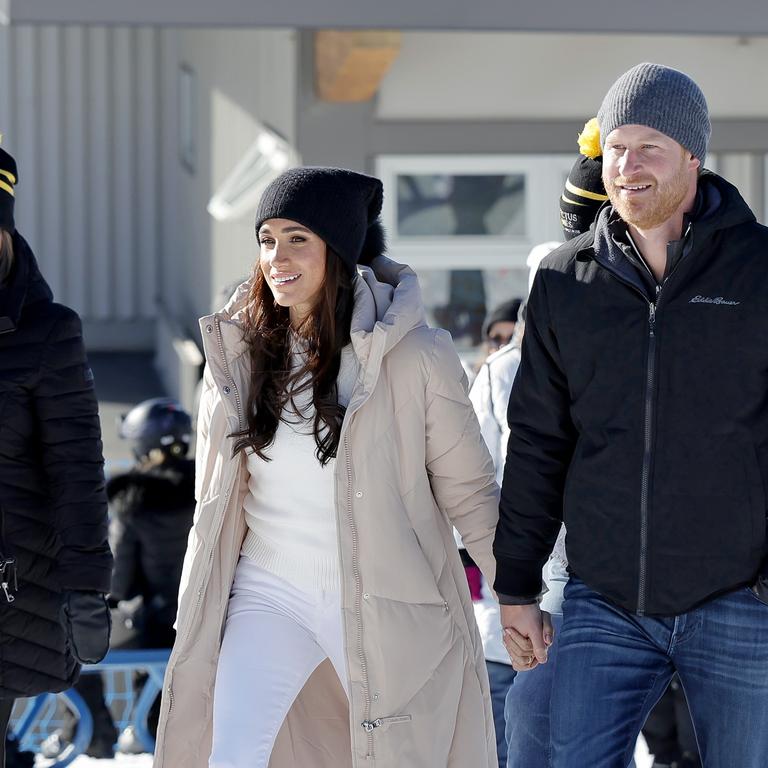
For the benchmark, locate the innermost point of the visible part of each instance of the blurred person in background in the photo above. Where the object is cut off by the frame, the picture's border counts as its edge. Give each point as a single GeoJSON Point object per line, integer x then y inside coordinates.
{"type": "Point", "coordinates": [55, 562]}
{"type": "Point", "coordinates": [151, 507]}
{"type": "Point", "coordinates": [324, 618]}
{"type": "Point", "coordinates": [499, 326]}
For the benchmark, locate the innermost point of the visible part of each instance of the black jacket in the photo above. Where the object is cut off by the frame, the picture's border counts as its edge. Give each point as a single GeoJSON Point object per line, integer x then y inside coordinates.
{"type": "Point", "coordinates": [641, 420]}
{"type": "Point", "coordinates": [152, 514]}
{"type": "Point", "coordinates": [52, 503]}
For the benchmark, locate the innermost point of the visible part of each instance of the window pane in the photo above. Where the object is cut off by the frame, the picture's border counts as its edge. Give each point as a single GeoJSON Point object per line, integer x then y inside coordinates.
{"type": "Point", "coordinates": [459, 300]}
{"type": "Point", "coordinates": [440, 205]}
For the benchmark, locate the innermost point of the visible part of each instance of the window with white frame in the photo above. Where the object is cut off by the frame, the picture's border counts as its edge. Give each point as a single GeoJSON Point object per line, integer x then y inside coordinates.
{"type": "Point", "coordinates": [467, 223]}
{"type": "Point", "coordinates": [471, 211]}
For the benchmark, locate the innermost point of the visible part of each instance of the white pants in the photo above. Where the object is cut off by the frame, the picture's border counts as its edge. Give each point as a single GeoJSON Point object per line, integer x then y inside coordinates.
{"type": "Point", "coordinates": [276, 635]}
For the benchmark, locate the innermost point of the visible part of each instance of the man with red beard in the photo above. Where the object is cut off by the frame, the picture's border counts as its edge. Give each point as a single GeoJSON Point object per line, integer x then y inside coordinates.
{"type": "Point", "coordinates": [639, 417]}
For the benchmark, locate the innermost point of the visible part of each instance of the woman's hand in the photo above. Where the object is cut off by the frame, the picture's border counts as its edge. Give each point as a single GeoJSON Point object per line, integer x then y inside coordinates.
{"type": "Point", "coordinates": [87, 621]}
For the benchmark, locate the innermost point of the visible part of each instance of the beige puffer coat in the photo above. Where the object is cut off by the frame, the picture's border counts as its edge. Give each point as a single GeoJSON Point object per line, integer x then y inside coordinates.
{"type": "Point", "coordinates": [411, 463]}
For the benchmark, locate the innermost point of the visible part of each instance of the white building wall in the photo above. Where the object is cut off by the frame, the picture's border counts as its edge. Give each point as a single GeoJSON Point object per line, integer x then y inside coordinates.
{"type": "Point", "coordinates": [241, 78]}
{"type": "Point", "coordinates": [523, 76]}
{"type": "Point", "coordinates": [80, 114]}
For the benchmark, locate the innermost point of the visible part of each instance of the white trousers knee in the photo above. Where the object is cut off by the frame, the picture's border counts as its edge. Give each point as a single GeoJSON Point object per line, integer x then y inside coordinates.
{"type": "Point", "coordinates": [275, 636]}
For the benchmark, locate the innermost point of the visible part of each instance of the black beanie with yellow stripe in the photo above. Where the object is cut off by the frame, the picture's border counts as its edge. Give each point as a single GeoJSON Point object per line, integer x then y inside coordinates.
{"type": "Point", "coordinates": [8, 181]}
{"type": "Point", "coordinates": [584, 192]}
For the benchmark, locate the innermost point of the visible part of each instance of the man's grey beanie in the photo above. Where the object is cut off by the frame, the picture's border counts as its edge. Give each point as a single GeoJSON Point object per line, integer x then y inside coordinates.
{"type": "Point", "coordinates": [663, 99]}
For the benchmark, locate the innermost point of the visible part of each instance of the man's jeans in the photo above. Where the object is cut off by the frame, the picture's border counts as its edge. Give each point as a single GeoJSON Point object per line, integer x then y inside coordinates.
{"type": "Point", "coordinates": [613, 666]}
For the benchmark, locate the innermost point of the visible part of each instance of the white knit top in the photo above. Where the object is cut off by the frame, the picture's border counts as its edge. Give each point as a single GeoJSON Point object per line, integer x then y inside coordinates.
{"type": "Point", "coordinates": [290, 505]}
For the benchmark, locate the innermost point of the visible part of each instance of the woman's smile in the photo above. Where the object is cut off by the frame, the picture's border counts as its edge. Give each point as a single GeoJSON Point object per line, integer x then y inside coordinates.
{"type": "Point", "coordinates": [285, 278]}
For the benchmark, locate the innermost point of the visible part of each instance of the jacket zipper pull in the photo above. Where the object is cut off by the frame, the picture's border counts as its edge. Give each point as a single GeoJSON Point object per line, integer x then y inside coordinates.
{"type": "Point", "coordinates": [8, 573]}
{"type": "Point", "coordinates": [369, 725]}
{"type": "Point", "coordinates": [652, 317]}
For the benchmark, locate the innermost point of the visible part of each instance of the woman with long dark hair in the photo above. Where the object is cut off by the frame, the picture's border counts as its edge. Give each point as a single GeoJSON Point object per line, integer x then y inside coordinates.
{"type": "Point", "coordinates": [55, 563]}
{"type": "Point", "coordinates": [324, 618]}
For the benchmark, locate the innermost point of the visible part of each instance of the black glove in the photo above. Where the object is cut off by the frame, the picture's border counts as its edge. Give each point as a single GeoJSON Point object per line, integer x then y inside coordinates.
{"type": "Point", "coordinates": [87, 621]}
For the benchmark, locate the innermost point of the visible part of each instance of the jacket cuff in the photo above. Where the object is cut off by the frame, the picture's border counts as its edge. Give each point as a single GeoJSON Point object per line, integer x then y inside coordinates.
{"type": "Point", "coordinates": [513, 600]}
{"type": "Point", "coordinates": [518, 578]}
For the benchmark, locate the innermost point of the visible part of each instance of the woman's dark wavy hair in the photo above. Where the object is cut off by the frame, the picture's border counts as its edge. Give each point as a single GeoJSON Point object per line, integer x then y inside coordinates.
{"type": "Point", "coordinates": [273, 386]}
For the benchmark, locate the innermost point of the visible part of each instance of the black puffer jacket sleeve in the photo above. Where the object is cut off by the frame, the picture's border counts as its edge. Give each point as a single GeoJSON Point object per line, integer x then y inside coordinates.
{"type": "Point", "coordinates": [541, 443]}
{"type": "Point", "coordinates": [71, 452]}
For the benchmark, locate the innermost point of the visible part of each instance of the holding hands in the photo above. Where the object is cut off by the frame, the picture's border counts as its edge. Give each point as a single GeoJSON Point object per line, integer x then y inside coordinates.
{"type": "Point", "coordinates": [527, 633]}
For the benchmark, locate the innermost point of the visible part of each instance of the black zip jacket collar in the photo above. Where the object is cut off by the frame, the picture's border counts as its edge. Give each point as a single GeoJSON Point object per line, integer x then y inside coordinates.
{"type": "Point", "coordinates": [642, 420]}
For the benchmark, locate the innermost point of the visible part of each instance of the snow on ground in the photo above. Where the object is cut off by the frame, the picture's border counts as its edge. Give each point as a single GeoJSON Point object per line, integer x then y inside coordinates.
{"type": "Point", "coordinates": [642, 760]}
{"type": "Point", "coordinates": [121, 761]}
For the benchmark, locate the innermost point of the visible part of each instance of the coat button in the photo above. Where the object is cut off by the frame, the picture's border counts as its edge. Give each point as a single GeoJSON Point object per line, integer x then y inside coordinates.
{"type": "Point", "coordinates": [375, 696]}
{"type": "Point", "coordinates": [209, 329]}
{"type": "Point", "coordinates": [366, 596]}
{"type": "Point", "coordinates": [359, 495]}
{"type": "Point", "coordinates": [227, 390]}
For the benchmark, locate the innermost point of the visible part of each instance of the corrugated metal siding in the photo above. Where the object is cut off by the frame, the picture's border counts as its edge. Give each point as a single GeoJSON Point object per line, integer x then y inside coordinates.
{"type": "Point", "coordinates": [81, 113]}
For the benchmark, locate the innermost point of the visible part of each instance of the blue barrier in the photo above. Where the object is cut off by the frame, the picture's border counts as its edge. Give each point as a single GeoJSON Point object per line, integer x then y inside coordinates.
{"type": "Point", "coordinates": [40, 710]}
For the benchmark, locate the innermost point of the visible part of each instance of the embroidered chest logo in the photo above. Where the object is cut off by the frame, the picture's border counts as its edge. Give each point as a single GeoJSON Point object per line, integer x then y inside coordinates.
{"type": "Point", "coordinates": [713, 300]}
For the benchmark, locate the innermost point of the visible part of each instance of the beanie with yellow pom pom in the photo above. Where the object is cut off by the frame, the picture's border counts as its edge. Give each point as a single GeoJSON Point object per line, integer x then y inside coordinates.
{"type": "Point", "coordinates": [584, 192]}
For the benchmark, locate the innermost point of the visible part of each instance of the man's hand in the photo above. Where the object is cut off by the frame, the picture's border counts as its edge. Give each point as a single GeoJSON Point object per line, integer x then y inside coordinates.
{"type": "Point", "coordinates": [527, 632]}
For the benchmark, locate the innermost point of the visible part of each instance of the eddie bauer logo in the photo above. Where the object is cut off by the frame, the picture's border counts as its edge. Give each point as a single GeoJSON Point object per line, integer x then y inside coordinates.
{"type": "Point", "coordinates": [713, 300]}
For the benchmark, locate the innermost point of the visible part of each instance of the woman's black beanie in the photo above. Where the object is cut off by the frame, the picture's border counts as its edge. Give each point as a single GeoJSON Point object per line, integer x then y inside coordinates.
{"type": "Point", "coordinates": [8, 179]}
{"type": "Point", "coordinates": [340, 206]}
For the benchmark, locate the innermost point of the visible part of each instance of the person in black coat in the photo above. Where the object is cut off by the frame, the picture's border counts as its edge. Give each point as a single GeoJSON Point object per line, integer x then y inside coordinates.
{"type": "Point", "coordinates": [152, 507]}
{"type": "Point", "coordinates": [55, 562]}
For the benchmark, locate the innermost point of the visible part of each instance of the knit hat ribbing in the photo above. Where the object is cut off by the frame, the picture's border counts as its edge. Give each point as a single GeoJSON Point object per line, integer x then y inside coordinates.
{"type": "Point", "coordinates": [8, 181]}
{"type": "Point", "coordinates": [662, 98]}
{"type": "Point", "coordinates": [340, 206]}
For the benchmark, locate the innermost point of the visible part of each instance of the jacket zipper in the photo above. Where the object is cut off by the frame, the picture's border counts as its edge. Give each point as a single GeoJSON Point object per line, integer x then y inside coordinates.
{"type": "Point", "coordinates": [358, 602]}
{"type": "Point", "coordinates": [225, 365]}
{"type": "Point", "coordinates": [650, 390]}
{"type": "Point", "coordinates": [220, 342]}
{"type": "Point", "coordinates": [650, 385]}
{"type": "Point", "coordinates": [8, 572]}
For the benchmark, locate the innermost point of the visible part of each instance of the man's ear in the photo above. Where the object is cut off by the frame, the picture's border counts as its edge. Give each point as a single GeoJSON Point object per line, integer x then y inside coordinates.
{"type": "Point", "coordinates": [694, 163]}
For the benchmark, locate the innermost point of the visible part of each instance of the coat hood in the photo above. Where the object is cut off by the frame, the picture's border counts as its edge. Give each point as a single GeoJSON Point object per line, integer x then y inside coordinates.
{"type": "Point", "coordinates": [26, 286]}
